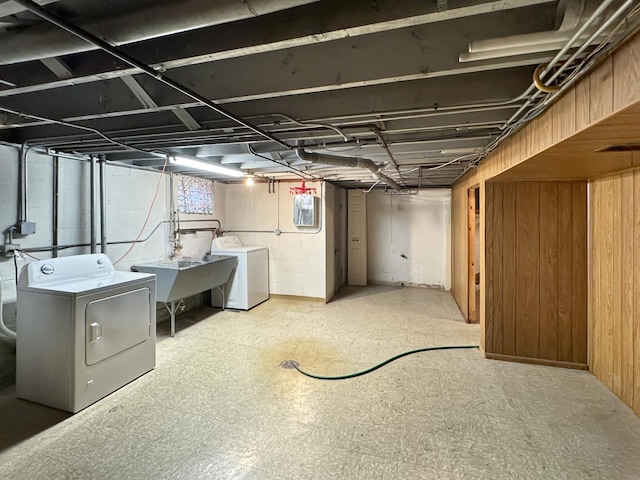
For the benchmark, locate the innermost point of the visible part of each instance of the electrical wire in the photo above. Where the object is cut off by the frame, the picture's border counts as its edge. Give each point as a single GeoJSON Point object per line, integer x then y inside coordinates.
{"type": "Point", "coordinates": [28, 254]}
{"type": "Point", "coordinates": [146, 220]}
{"type": "Point", "coordinates": [296, 365]}
{"type": "Point", "coordinates": [80, 127]}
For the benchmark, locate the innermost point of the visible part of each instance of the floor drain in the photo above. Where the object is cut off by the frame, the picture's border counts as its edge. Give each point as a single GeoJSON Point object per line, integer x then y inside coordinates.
{"type": "Point", "coordinates": [289, 364]}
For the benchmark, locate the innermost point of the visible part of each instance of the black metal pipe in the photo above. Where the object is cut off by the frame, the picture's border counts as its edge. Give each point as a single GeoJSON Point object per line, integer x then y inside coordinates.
{"type": "Point", "coordinates": [157, 74]}
{"type": "Point", "coordinates": [56, 193]}
{"type": "Point", "coordinates": [92, 203]}
{"type": "Point", "coordinates": [121, 242]}
{"type": "Point", "coordinates": [103, 205]}
{"type": "Point", "coordinates": [22, 184]}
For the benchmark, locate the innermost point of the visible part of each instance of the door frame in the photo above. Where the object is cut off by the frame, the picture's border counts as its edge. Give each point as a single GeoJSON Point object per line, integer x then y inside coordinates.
{"type": "Point", "coordinates": [473, 315]}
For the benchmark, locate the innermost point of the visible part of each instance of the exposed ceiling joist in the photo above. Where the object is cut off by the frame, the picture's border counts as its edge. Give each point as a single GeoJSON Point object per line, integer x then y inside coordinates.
{"type": "Point", "coordinates": [532, 60]}
{"type": "Point", "coordinates": [145, 99]}
{"type": "Point", "coordinates": [58, 67]}
{"type": "Point", "coordinates": [11, 8]}
{"type": "Point", "coordinates": [312, 39]}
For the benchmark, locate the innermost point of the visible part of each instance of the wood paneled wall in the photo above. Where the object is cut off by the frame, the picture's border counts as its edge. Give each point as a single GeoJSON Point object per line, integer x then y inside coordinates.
{"type": "Point", "coordinates": [611, 87]}
{"type": "Point", "coordinates": [614, 312]}
{"type": "Point", "coordinates": [459, 267]}
{"type": "Point", "coordinates": [536, 270]}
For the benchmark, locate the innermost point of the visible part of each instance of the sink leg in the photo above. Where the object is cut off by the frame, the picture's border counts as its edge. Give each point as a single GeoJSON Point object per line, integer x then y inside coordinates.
{"type": "Point", "coordinates": [173, 319]}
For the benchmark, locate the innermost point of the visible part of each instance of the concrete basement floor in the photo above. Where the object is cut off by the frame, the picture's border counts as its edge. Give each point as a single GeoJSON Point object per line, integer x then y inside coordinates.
{"type": "Point", "coordinates": [218, 406]}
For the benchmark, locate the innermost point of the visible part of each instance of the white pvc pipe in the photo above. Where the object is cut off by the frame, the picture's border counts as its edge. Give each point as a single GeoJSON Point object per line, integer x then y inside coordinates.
{"type": "Point", "coordinates": [6, 334]}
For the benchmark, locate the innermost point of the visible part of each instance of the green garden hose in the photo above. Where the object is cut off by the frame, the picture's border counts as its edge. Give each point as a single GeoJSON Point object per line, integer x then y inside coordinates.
{"type": "Point", "coordinates": [291, 364]}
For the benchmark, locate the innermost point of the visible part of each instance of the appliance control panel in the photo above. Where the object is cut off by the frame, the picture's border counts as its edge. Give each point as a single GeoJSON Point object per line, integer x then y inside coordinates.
{"type": "Point", "coordinates": [224, 243]}
{"type": "Point", "coordinates": [60, 269]}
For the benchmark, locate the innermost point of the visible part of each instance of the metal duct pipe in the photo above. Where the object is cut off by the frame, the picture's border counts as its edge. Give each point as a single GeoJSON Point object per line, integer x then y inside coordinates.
{"type": "Point", "coordinates": [354, 162]}
{"type": "Point", "coordinates": [166, 19]}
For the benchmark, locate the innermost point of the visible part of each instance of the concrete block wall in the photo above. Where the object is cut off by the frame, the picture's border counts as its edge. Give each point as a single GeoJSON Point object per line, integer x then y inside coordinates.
{"type": "Point", "coordinates": [297, 257]}
{"type": "Point", "coordinates": [129, 195]}
{"type": "Point", "coordinates": [417, 227]}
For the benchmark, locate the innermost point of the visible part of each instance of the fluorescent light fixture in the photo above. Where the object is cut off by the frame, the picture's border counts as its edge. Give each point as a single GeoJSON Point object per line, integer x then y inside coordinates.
{"type": "Point", "coordinates": [460, 151]}
{"type": "Point", "coordinates": [208, 167]}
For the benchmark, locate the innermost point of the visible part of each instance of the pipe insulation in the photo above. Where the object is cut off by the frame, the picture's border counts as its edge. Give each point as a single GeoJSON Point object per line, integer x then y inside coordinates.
{"type": "Point", "coordinates": [168, 18]}
{"type": "Point", "coordinates": [353, 162]}
{"type": "Point", "coordinates": [6, 334]}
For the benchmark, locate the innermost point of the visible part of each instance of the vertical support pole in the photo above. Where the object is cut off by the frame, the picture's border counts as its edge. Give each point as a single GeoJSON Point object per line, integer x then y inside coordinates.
{"type": "Point", "coordinates": [55, 205]}
{"type": "Point", "coordinates": [92, 201]}
{"type": "Point", "coordinates": [103, 205]}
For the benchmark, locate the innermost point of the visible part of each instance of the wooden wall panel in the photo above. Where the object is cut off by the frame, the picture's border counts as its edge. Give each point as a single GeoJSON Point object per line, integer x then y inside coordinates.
{"type": "Point", "coordinates": [565, 277]}
{"type": "Point", "coordinates": [498, 264]}
{"type": "Point", "coordinates": [579, 273]}
{"type": "Point", "coordinates": [616, 284]}
{"type": "Point", "coordinates": [528, 275]}
{"type": "Point", "coordinates": [626, 75]}
{"type": "Point", "coordinates": [626, 292]}
{"type": "Point", "coordinates": [536, 239]}
{"type": "Point", "coordinates": [549, 270]}
{"type": "Point", "coordinates": [614, 326]}
{"type": "Point", "coordinates": [583, 104]}
{"type": "Point", "coordinates": [459, 221]}
{"type": "Point", "coordinates": [601, 91]}
{"type": "Point", "coordinates": [636, 290]}
{"type": "Point", "coordinates": [509, 265]}
{"type": "Point", "coordinates": [564, 117]}
{"type": "Point", "coordinates": [608, 90]}
{"type": "Point", "coordinates": [488, 258]}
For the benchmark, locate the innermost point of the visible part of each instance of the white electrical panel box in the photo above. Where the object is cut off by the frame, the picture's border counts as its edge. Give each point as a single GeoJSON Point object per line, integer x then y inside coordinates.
{"type": "Point", "coordinates": [305, 210]}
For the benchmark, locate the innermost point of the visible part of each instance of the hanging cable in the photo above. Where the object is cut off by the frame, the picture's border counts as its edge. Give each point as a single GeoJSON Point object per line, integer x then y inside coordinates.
{"type": "Point", "coordinates": [153, 201]}
{"type": "Point", "coordinates": [81, 127]}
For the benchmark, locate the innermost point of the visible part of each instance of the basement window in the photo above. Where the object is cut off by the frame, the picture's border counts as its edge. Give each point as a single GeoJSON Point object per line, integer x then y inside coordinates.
{"type": "Point", "coordinates": [195, 195]}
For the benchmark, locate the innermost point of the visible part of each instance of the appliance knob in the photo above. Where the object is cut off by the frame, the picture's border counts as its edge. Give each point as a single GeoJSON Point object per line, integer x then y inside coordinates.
{"type": "Point", "coordinates": [47, 269]}
{"type": "Point", "coordinates": [100, 261]}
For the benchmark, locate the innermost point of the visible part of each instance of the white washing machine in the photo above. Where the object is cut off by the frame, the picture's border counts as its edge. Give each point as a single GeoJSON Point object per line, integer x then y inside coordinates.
{"type": "Point", "coordinates": [83, 330]}
{"type": "Point", "coordinates": [249, 284]}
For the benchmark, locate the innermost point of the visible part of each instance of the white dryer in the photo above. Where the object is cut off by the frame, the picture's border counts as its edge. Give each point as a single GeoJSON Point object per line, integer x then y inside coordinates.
{"type": "Point", "coordinates": [249, 284]}
{"type": "Point", "coordinates": [83, 330]}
